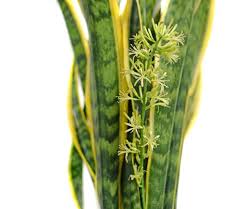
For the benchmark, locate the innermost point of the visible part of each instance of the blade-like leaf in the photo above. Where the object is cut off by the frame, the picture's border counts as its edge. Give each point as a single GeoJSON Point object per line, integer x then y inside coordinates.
{"type": "Point", "coordinates": [192, 103]}
{"type": "Point", "coordinates": [76, 40]}
{"type": "Point", "coordinates": [78, 123]}
{"type": "Point", "coordinates": [75, 176]}
{"type": "Point", "coordinates": [181, 14]}
{"type": "Point", "coordinates": [149, 9]}
{"type": "Point", "coordinates": [123, 183]}
{"type": "Point", "coordinates": [198, 36]}
{"type": "Point", "coordinates": [130, 189]}
{"type": "Point", "coordinates": [104, 92]}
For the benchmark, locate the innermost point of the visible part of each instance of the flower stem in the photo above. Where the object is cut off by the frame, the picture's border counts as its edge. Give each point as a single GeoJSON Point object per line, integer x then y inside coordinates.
{"type": "Point", "coordinates": [142, 154]}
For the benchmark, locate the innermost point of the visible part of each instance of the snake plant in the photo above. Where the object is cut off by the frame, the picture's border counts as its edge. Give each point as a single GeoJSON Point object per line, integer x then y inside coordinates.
{"type": "Point", "coordinates": [133, 94]}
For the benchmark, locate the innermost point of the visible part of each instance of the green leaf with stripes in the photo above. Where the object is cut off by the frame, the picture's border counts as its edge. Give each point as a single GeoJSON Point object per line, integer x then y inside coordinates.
{"type": "Point", "coordinates": [149, 9]}
{"type": "Point", "coordinates": [78, 121]}
{"type": "Point", "coordinates": [130, 189]}
{"type": "Point", "coordinates": [192, 103]}
{"type": "Point", "coordinates": [104, 92]}
{"type": "Point", "coordinates": [194, 50]}
{"type": "Point", "coordinates": [182, 15]}
{"type": "Point", "coordinates": [80, 125]}
{"type": "Point", "coordinates": [75, 175]}
{"type": "Point", "coordinates": [76, 40]}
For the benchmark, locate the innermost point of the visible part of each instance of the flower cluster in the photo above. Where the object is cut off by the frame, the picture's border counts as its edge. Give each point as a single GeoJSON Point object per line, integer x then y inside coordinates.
{"type": "Point", "coordinates": [147, 88]}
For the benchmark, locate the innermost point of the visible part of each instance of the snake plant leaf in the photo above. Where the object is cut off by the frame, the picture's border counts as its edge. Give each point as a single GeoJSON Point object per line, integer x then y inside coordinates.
{"type": "Point", "coordinates": [195, 44]}
{"type": "Point", "coordinates": [182, 14]}
{"type": "Point", "coordinates": [134, 20]}
{"type": "Point", "coordinates": [125, 185]}
{"type": "Point", "coordinates": [130, 190]}
{"type": "Point", "coordinates": [78, 124]}
{"type": "Point", "coordinates": [149, 10]}
{"type": "Point", "coordinates": [192, 102]}
{"type": "Point", "coordinates": [104, 92]}
{"type": "Point", "coordinates": [76, 40]}
{"type": "Point", "coordinates": [75, 176]}
{"type": "Point", "coordinates": [152, 10]}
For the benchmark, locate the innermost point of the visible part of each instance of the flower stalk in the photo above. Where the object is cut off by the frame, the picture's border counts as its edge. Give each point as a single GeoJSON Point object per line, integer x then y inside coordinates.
{"type": "Point", "coordinates": [152, 49]}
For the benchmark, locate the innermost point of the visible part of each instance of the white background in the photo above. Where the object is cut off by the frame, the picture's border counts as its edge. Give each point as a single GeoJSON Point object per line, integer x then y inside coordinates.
{"type": "Point", "coordinates": [35, 57]}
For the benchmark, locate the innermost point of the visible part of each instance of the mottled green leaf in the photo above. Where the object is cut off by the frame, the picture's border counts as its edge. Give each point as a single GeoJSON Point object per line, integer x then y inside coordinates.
{"type": "Point", "coordinates": [76, 40]}
{"type": "Point", "coordinates": [191, 111]}
{"type": "Point", "coordinates": [181, 14]}
{"type": "Point", "coordinates": [75, 175]}
{"type": "Point", "coordinates": [192, 103]}
{"type": "Point", "coordinates": [149, 9]}
{"type": "Point", "coordinates": [194, 44]}
{"type": "Point", "coordinates": [79, 125]}
{"type": "Point", "coordinates": [130, 189]}
{"type": "Point", "coordinates": [104, 92]}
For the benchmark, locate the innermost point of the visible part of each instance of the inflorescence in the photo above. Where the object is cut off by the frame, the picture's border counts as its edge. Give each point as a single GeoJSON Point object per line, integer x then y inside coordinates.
{"type": "Point", "coordinates": [147, 79]}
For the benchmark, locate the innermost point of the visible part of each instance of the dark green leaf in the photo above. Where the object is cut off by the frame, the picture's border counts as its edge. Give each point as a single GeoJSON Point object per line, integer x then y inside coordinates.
{"type": "Point", "coordinates": [181, 14]}
{"type": "Point", "coordinates": [194, 46]}
{"type": "Point", "coordinates": [104, 92]}
{"type": "Point", "coordinates": [78, 118]}
{"type": "Point", "coordinates": [192, 103]}
{"type": "Point", "coordinates": [130, 189]}
{"type": "Point", "coordinates": [75, 173]}
{"type": "Point", "coordinates": [76, 40]}
{"type": "Point", "coordinates": [80, 125]}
